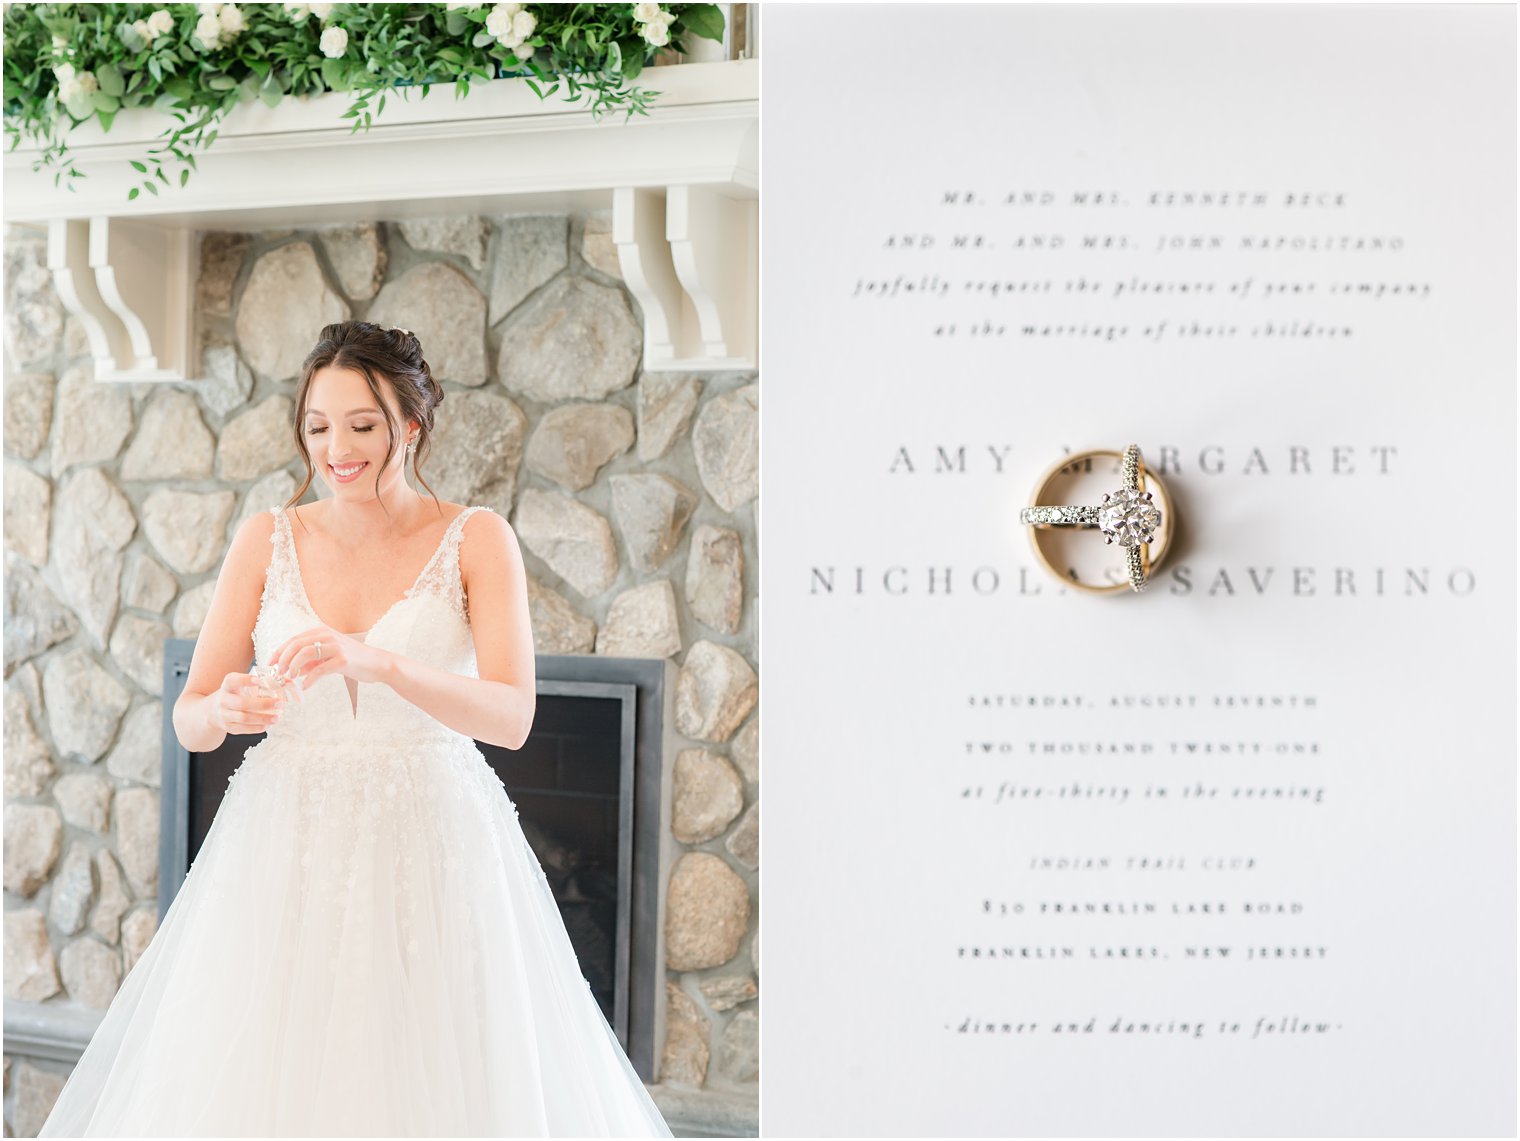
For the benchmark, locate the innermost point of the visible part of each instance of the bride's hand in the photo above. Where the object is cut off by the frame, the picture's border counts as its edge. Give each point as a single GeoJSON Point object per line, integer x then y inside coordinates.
{"type": "Point", "coordinates": [341, 654]}
{"type": "Point", "coordinates": [237, 706]}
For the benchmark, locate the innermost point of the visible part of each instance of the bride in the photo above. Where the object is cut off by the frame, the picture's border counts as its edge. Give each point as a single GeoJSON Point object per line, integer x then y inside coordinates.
{"type": "Point", "coordinates": [365, 944]}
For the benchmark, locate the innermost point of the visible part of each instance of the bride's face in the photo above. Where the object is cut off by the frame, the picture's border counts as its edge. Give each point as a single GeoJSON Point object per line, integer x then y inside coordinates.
{"type": "Point", "coordinates": [346, 434]}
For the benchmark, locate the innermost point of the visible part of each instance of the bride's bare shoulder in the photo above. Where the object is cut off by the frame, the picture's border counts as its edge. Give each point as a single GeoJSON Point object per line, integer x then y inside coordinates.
{"type": "Point", "coordinates": [251, 549]}
{"type": "Point", "coordinates": [257, 527]}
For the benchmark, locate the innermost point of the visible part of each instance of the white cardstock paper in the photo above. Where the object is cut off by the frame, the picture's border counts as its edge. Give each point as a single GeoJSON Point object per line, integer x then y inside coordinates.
{"type": "Point", "coordinates": [1234, 856]}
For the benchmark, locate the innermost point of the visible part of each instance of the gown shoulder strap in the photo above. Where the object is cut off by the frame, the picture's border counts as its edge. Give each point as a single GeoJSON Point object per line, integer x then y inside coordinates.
{"type": "Point", "coordinates": [442, 574]}
{"type": "Point", "coordinates": [281, 574]}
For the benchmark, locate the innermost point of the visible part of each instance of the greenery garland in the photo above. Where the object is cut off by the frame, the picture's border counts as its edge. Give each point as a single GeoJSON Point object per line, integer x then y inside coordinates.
{"type": "Point", "coordinates": [66, 63]}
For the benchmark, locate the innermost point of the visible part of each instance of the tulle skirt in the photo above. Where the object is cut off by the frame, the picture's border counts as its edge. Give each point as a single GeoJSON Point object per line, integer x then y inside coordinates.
{"type": "Point", "coordinates": [364, 945]}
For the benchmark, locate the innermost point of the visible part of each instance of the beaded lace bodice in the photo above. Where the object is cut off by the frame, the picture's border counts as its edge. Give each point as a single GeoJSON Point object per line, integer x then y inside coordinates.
{"type": "Point", "coordinates": [429, 623]}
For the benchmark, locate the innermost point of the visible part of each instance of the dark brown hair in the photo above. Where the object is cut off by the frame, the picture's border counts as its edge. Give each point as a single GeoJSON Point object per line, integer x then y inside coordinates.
{"type": "Point", "coordinates": [378, 354]}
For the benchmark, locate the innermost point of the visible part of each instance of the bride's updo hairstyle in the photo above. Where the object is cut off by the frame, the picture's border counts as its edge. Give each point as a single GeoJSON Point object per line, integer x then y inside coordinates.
{"type": "Point", "coordinates": [383, 356]}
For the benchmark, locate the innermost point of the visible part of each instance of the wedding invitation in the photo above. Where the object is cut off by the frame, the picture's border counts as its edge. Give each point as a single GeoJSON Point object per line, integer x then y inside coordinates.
{"type": "Point", "coordinates": [1234, 856]}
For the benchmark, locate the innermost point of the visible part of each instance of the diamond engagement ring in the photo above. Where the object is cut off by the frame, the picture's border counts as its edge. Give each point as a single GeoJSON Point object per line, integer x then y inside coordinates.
{"type": "Point", "coordinates": [1129, 516]}
{"type": "Point", "coordinates": [319, 648]}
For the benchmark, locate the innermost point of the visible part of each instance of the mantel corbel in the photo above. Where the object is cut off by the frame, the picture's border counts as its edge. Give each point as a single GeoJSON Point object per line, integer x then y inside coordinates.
{"type": "Point", "coordinates": [131, 285]}
{"type": "Point", "coordinates": [691, 257]}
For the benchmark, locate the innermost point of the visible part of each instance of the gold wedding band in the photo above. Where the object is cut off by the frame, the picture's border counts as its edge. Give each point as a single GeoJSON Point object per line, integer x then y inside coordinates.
{"type": "Point", "coordinates": [1139, 515]}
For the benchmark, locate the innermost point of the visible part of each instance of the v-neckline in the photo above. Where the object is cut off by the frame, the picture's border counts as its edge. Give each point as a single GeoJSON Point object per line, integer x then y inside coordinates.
{"type": "Point", "coordinates": [295, 560]}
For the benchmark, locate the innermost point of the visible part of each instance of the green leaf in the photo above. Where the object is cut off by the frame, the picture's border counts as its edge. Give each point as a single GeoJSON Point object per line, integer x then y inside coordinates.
{"type": "Point", "coordinates": [481, 39]}
{"type": "Point", "coordinates": [705, 20]}
{"type": "Point", "coordinates": [155, 71]}
{"type": "Point", "coordinates": [333, 73]}
{"type": "Point", "coordinates": [164, 178]}
{"type": "Point", "coordinates": [184, 177]}
{"type": "Point", "coordinates": [81, 106]}
{"type": "Point", "coordinates": [106, 119]}
{"type": "Point", "coordinates": [103, 102]}
{"type": "Point", "coordinates": [259, 66]}
{"type": "Point", "coordinates": [453, 55]}
{"type": "Point", "coordinates": [614, 63]}
{"type": "Point", "coordinates": [221, 83]}
{"type": "Point", "coordinates": [633, 62]}
{"type": "Point", "coordinates": [110, 80]}
{"type": "Point", "coordinates": [382, 105]}
{"type": "Point", "coordinates": [271, 95]}
{"type": "Point", "coordinates": [153, 187]}
{"type": "Point", "coordinates": [139, 167]}
{"type": "Point", "coordinates": [133, 193]}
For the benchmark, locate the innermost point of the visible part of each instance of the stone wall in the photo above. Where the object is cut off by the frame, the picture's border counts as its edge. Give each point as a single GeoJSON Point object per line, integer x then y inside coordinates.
{"type": "Point", "coordinates": [632, 493]}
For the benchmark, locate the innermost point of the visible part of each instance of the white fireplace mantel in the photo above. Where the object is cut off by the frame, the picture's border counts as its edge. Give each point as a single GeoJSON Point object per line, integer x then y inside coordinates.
{"type": "Point", "coordinates": [682, 184]}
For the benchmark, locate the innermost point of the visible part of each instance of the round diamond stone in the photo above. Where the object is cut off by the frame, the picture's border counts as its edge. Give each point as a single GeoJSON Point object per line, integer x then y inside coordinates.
{"type": "Point", "coordinates": [1129, 518]}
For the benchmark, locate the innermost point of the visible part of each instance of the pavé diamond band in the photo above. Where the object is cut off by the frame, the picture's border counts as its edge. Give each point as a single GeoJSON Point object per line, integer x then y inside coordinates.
{"type": "Point", "coordinates": [1060, 516]}
{"type": "Point", "coordinates": [1129, 516]}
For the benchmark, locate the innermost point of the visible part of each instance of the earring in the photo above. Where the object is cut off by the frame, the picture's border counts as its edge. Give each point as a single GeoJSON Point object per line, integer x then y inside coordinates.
{"type": "Point", "coordinates": [411, 446]}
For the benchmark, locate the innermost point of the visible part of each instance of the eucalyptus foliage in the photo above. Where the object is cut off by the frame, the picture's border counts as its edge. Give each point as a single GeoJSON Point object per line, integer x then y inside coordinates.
{"type": "Point", "coordinates": [67, 63]}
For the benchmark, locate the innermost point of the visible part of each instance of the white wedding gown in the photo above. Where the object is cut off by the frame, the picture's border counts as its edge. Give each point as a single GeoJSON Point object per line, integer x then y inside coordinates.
{"type": "Point", "coordinates": [365, 943]}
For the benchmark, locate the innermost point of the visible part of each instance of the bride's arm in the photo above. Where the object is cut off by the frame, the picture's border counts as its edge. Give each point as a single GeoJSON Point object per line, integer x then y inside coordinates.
{"type": "Point", "coordinates": [497, 708]}
{"type": "Point", "coordinates": [225, 643]}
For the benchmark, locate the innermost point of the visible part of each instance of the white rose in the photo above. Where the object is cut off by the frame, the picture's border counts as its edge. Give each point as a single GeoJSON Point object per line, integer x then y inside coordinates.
{"type": "Point", "coordinates": [645, 13]}
{"type": "Point", "coordinates": [499, 21]}
{"type": "Point", "coordinates": [231, 20]}
{"type": "Point", "coordinates": [523, 51]}
{"type": "Point", "coordinates": [512, 9]}
{"type": "Point", "coordinates": [68, 86]}
{"type": "Point", "coordinates": [657, 33]}
{"type": "Point", "coordinates": [451, 6]}
{"type": "Point", "coordinates": [208, 31]}
{"type": "Point", "coordinates": [71, 84]}
{"type": "Point", "coordinates": [320, 11]}
{"type": "Point", "coordinates": [208, 9]}
{"type": "Point", "coordinates": [523, 24]}
{"type": "Point", "coordinates": [144, 30]}
{"type": "Point", "coordinates": [159, 23]}
{"type": "Point", "coordinates": [297, 12]}
{"type": "Point", "coordinates": [334, 42]}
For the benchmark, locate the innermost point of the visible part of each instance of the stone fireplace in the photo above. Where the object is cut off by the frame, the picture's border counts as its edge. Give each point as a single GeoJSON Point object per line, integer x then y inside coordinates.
{"type": "Point", "coordinates": [585, 284]}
